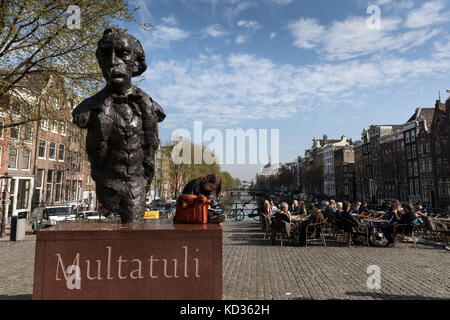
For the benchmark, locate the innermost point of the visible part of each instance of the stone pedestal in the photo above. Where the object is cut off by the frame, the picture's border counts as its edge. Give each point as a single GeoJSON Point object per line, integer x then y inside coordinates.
{"type": "Point", "coordinates": [143, 261]}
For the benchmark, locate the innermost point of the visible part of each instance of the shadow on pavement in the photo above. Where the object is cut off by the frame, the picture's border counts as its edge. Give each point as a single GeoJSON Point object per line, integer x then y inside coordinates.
{"type": "Point", "coordinates": [386, 296]}
{"type": "Point", "coordinates": [18, 297]}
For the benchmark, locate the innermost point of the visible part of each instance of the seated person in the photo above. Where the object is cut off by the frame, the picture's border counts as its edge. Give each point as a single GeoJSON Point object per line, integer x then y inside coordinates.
{"type": "Point", "coordinates": [273, 207]}
{"type": "Point", "coordinates": [393, 215]}
{"type": "Point", "coordinates": [406, 217]}
{"type": "Point", "coordinates": [357, 206]}
{"type": "Point", "coordinates": [421, 213]}
{"type": "Point", "coordinates": [300, 232]}
{"type": "Point", "coordinates": [338, 208]}
{"type": "Point", "coordinates": [295, 208]}
{"type": "Point", "coordinates": [302, 209]}
{"type": "Point", "coordinates": [331, 209]}
{"type": "Point", "coordinates": [278, 220]}
{"type": "Point", "coordinates": [347, 217]}
{"type": "Point", "coordinates": [363, 209]}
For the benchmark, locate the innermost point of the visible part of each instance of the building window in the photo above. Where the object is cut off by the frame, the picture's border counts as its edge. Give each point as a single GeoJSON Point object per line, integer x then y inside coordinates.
{"type": "Point", "coordinates": [428, 147]}
{"type": "Point", "coordinates": [416, 169]}
{"type": "Point", "coordinates": [429, 165]}
{"type": "Point", "coordinates": [447, 190]}
{"type": "Point", "coordinates": [52, 151]}
{"type": "Point", "coordinates": [61, 152]}
{"type": "Point", "coordinates": [411, 187]}
{"type": "Point", "coordinates": [423, 166]}
{"type": "Point", "coordinates": [441, 190]}
{"type": "Point", "coordinates": [56, 103]}
{"type": "Point", "coordinates": [408, 152]}
{"type": "Point", "coordinates": [49, 189]}
{"type": "Point", "coordinates": [416, 184]}
{"type": "Point", "coordinates": [28, 134]}
{"type": "Point", "coordinates": [26, 157]}
{"type": "Point", "coordinates": [438, 148]}
{"type": "Point", "coordinates": [12, 158]}
{"type": "Point", "coordinates": [2, 123]}
{"type": "Point", "coordinates": [413, 151]}
{"type": "Point", "coordinates": [44, 124]}
{"type": "Point", "coordinates": [42, 149]}
{"type": "Point", "coordinates": [63, 129]}
{"type": "Point", "coordinates": [407, 137]}
{"type": "Point", "coordinates": [439, 166]}
{"type": "Point", "coordinates": [58, 186]}
{"type": "Point", "coordinates": [413, 135]}
{"type": "Point", "coordinates": [15, 133]}
{"type": "Point", "coordinates": [39, 182]}
{"type": "Point", "coordinates": [23, 194]}
{"type": "Point", "coordinates": [54, 127]}
{"type": "Point", "coordinates": [16, 109]}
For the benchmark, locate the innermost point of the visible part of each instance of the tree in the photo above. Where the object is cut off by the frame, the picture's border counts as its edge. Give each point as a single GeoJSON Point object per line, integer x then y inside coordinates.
{"type": "Point", "coordinates": [183, 172]}
{"type": "Point", "coordinates": [39, 45]}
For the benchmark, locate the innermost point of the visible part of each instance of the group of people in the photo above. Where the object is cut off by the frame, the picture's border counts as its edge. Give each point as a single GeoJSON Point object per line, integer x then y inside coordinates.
{"type": "Point", "coordinates": [282, 217]}
{"type": "Point", "coordinates": [340, 213]}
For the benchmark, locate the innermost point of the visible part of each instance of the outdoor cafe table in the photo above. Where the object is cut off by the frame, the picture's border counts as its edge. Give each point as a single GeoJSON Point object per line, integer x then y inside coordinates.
{"type": "Point", "coordinates": [296, 219]}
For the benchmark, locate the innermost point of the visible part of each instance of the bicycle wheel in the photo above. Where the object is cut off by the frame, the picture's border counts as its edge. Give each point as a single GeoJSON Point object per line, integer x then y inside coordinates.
{"type": "Point", "coordinates": [255, 215]}
{"type": "Point", "coordinates": [240, 215]}
{"type": "Point", "coordinates": [231, 215]}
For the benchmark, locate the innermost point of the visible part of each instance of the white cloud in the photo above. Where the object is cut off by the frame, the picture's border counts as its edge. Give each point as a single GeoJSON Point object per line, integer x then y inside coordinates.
{"type": "Point", "coordinates": [250, 26]}
{"type": "Point", "coordinates": [352, 38]}
{"type": "Point", "coordinates": [232, 8]}
{"type": "Point", "coordinates": [215, 31]}
{"type": "Point", "coordinates": [163, 34]}
{"type": "Point", "coordinates": [239, 88]}
{"type": "Point", "coordinates": [429, 13]}
{"type": "Point", "coordinates": [279, 2]}
{"type": "Point", "coordinates": [306, 32]}
{"type": "Point", "coordinates": [272, 35]}
{"type": "Point", "coordinates": [442, 49]}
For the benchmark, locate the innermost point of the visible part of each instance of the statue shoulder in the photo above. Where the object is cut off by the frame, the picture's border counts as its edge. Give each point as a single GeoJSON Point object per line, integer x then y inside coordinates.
{"type": "Point", "coordinates": [151, 107]}
{"type": "Point", "coordinates": [81, 114]}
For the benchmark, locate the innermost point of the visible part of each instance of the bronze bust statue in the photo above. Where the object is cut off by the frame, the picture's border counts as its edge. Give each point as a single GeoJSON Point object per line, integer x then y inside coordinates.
{"type": "Point", "coordinates": [122, 123]}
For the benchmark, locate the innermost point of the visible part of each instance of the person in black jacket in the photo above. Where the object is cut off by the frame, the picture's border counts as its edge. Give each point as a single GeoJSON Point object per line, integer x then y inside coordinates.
{"type": "Point", "coordinates": [300, 232]}
{"type": "Point", "coordinates": [394, 213]}
{"type": "Point", "coordinates": [407, 217]}
{"type": "Point", "coordinates": [281, 222]}
{"type": "Point", "coordinates": [348, 219]}
{"type": "Point", "coordinates": [363, 208]}
{"type": "Point", "coordinates": [206, 186]}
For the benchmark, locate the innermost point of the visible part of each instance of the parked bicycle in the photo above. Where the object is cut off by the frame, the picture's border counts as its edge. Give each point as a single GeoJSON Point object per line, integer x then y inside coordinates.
{"type": "Point", "coordinates": [238, 213]}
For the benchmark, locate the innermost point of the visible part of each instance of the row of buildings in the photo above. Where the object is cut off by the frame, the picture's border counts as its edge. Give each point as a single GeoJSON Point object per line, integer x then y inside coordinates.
{"type": "Point", "coordinates": [42, 161]}
{"type": "Point", "coordinates": [408, 162]}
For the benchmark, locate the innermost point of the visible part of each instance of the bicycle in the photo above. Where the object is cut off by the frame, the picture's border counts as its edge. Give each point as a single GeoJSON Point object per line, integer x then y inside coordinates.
{"type": "Point", "coordinates": [236, 214]}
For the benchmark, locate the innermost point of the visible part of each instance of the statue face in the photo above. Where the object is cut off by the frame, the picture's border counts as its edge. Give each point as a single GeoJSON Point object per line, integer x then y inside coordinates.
{"type": "Point", "coordinates": [117, 61]}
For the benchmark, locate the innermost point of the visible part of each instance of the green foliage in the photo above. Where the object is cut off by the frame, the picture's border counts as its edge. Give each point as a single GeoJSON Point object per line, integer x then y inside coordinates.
{"type": "Point", "coordinates": [36, 46]}
{"type": "Point", "coordinates": [189, 171]}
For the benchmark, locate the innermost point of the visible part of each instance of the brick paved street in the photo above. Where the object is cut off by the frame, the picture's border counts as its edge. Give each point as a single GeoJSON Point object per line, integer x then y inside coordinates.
{"type": "Point", "coordinates": [254, 270]}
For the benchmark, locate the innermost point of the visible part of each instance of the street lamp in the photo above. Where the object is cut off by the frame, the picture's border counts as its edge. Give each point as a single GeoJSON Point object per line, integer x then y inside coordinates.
{"type": "Point", "coordinates": [3, 226]}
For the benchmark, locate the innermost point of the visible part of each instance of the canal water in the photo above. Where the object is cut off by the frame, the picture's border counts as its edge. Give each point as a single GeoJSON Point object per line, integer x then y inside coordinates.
{"type": "Point", "coordinates": [236, 200]}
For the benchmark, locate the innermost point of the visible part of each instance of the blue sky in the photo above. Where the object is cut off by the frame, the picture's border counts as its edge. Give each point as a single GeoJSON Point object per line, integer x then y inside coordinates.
{"type": "Point", "coordinates": [305, 67]}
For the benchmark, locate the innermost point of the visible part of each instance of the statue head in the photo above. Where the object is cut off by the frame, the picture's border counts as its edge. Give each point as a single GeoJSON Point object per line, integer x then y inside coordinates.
{"type": "Point", "coordinates": [121, 57]}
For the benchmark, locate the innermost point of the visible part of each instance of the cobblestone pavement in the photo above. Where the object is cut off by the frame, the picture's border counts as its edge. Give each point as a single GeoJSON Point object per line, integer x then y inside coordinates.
{"type": "Point", "coordinates": [254, 270]}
